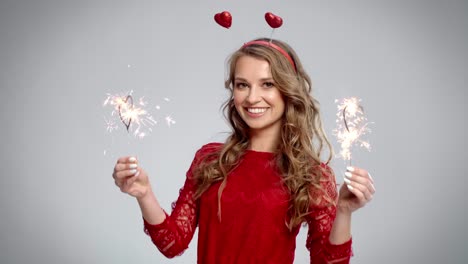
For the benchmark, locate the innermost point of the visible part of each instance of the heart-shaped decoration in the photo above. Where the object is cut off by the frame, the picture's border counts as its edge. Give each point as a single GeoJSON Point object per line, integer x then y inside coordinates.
{"type": "Point", "coordinates": [273, 20]}
{"type": "Point", "coordinates": [125, 108]}
{"type": "Point", "coordinates": [224, 19]}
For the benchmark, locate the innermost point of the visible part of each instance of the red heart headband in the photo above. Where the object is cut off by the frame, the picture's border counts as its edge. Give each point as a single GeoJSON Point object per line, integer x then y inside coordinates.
{"type": "Point", "coordinates": [224, 19]}
{"type": "Point", "coordinates": [276, 47]}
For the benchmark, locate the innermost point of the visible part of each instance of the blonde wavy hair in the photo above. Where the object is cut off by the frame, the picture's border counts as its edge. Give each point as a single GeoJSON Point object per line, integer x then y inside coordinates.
{"type": "Point", "coordinates": [298, 155]}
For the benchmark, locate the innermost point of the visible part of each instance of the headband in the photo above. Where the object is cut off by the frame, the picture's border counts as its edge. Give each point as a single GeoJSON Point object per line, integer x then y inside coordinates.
{"type": "Point", "coordinates": [276, 47]}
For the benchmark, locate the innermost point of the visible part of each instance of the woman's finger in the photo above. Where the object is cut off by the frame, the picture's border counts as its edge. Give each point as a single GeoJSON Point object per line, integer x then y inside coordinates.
{"type": "Point", "coordinates": [125, 166]}
{"type": "Point", "coordinates": [124, 173]}
{"type": "Point", "coordinates": [126, 159]}
{"type": "Point", "coordinates": [361, 191]}
{"type": "Point", "coordinates": [361, 180]}
{"type": "Point", "coordinates": [359, 195]}
{"type": "Point", "coordinates": [122, 162]}
{"type": "Point", "coordinates": [132, 179]}
{"type": "Point", "coordinates": [362, 175]}
{"type": "Point", "coordinates": [128, 164]}
{"type": "Point", "coordinates": [360, 172]}
{"type": "Point", "coordinates": [128, 183]}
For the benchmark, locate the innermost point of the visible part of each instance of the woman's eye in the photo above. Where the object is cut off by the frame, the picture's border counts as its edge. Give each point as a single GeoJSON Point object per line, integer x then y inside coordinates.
{"type": "Point", "coordinates": [241, 85]}
{"type": "Point", "coordinates": [269, 84]}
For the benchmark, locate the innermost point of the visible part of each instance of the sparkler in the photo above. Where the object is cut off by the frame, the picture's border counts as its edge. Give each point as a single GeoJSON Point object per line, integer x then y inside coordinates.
{"type": "Point", "coordinates": [134, 113]}
{"type": "Point", "coordinates": [135, 118]}
{"type": "Point", "coordinates": [352, 125]}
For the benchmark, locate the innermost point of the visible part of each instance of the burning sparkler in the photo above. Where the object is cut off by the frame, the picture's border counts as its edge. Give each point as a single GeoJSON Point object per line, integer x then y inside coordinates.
{"type": "Point", "coordinates": [134, 117]}
{"type": "Point", "coordinates": [352, 125]}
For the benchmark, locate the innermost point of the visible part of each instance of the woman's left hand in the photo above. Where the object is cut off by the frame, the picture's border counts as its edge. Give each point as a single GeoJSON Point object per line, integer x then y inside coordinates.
{"type": "Point", "coordinates": [357, 190]}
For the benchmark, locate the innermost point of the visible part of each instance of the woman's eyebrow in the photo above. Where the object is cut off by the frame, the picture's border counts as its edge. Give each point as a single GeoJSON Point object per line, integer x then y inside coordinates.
{"type": "Point", "coordinates": [240, 79]}
{"type": "Point", "coordinates": [262, 79]}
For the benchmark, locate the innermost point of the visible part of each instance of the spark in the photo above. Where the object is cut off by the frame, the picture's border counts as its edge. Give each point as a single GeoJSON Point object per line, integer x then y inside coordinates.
{"type": "Point", "coordinates": [142, 101]}
{"type": "Point", "coordinates": [352, 125]}
{"type": "Point", "coordinates": [134, 117]}
{"type": "Point", "coordinates": [166, 99]}
{"type": "Point", "coordinates": [170, 121]}
{"type": "Point", "coordinates": [110, 125]}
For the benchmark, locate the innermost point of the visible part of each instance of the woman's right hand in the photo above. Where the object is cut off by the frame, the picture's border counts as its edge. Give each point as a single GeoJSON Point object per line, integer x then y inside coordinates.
{"type": "Point", "coordinates": [130, 178]}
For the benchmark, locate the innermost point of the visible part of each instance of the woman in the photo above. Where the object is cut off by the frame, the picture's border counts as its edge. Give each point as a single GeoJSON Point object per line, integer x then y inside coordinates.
{"type": "Point", "coordinates": [250, 195]}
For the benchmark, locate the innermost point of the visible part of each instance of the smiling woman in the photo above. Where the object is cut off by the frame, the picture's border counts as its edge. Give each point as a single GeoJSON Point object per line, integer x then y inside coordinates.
{"type": "Point", "coordinates": [257, 100]}
{"type": "Point", "coordinates": [250, 195]}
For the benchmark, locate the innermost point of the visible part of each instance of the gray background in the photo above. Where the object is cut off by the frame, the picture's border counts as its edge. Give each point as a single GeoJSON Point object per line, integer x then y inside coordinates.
{"type": "Point", "coordinates": [406, 60]}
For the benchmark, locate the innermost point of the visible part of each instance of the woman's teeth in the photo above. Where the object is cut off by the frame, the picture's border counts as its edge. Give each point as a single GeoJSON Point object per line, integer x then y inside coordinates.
{"type": "Point", "coordinates": [256, 110]}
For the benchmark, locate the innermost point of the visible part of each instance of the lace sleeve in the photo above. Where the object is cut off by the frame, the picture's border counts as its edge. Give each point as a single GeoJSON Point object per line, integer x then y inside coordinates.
{"type": "Point", "coordinates": [174, 234]}
{"type": "Point", "coordinates": [320, 223]}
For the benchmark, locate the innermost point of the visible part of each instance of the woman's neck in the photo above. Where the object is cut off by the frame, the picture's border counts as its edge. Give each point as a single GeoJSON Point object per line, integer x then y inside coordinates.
{"type": "Point", "coordinates": [264, 142]}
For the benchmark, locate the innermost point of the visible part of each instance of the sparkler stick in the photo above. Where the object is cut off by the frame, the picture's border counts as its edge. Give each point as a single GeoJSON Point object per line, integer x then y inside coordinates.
{"type": "Point", "coordinates": [352, 125]}
{"type": "Point", "coordinates": [126, 104]}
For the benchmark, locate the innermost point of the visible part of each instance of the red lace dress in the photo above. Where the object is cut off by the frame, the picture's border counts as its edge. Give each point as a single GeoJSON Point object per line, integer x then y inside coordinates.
{"type": "Point", "coordinates": [253, 215]}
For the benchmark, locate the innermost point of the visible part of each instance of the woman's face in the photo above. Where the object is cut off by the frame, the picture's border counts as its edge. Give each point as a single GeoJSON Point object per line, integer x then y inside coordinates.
{"type": "Point", "coordinates": [256, 97]}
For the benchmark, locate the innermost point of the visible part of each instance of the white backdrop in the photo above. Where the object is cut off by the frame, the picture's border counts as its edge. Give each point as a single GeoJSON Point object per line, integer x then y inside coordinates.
{"type": "Point", "coordinates": [406, 60]}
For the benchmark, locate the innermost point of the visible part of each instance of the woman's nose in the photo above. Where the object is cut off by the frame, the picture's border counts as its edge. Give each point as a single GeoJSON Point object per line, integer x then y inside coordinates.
{"type": "Point", "coordinates": [254, 95]}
